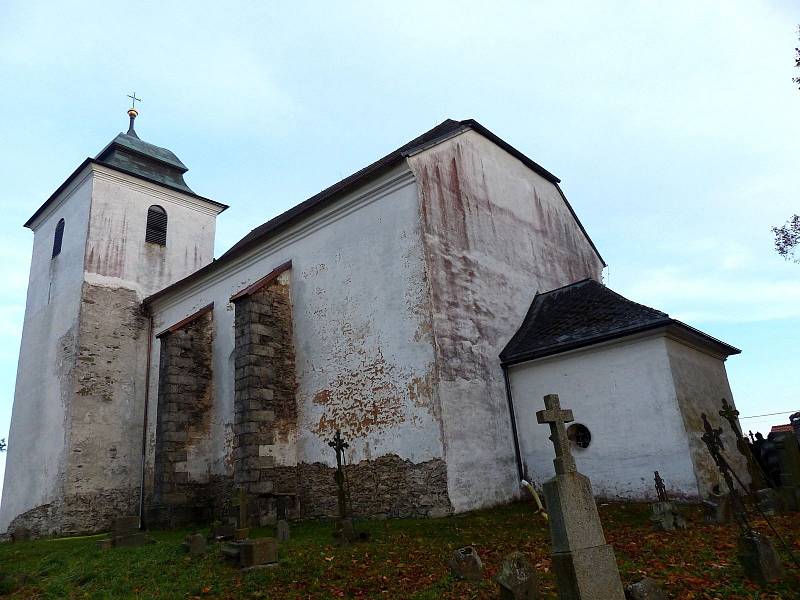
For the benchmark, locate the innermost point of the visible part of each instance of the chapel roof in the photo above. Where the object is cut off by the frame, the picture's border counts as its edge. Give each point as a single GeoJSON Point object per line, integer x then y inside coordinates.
{"type": "Point", "coordinates": [586, 313]}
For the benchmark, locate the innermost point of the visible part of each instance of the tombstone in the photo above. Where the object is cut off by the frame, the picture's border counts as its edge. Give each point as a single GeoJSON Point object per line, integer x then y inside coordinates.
{"type": "Point", "coordinates": [517, 579]}
{"type": "Point", "coordinates": [221, 531]}
{"type": "Point", "coordinates": [758, 558]}
{"type": "Point", "coordinates": [465, 563]}
{"type": "Point", "coordinates": [195, 544]}
{"type": "Point", "coordinates": [717, 508]}
{"type": "Point", "coordinates": [665, 514]}
{"type": "Point", "coordinates": [584, 564]}
{"type": "Point", "coordinates": [785, 460]}
{"type": "Point", "coordinates": [282, 531]}
{"type": "Point", "coordinates": [252, 553]}
{"type": "Point", "coordinates": [125, 532]}
{"type": "Point", "coordinates": [644, 589]}
{"type": "Point", "coordinates": [20, 534]}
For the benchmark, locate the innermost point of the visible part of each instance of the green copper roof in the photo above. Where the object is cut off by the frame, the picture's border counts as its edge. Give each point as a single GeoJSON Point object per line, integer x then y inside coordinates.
{"type": "Point", "coordinates": [128, 153]}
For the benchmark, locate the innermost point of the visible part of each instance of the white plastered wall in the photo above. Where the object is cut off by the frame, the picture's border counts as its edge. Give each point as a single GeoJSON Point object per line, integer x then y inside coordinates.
{"type": "Point", "coordinates": [35, 464]}
{"type": "Point", "coordinates": [495, 233]}
{"type": "Point", "coordinates": [363, 346]}
{"type": "Point", "coordinates": [625, 394]}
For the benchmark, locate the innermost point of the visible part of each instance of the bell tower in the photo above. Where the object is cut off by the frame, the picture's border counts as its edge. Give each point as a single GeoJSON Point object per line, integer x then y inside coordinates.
{"type": "Point", "coordinates": [122, 226]}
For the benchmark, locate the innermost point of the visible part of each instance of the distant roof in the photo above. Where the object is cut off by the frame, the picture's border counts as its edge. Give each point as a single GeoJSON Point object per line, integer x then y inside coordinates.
{"type": "Point", "coordinates": [788, 428]}
{"type": "Point", "coordinates": [441, 132]}
{"type": "Point", "coordinates": [586, 313]}
{"type": "Point", "coordinates": [128, 154]}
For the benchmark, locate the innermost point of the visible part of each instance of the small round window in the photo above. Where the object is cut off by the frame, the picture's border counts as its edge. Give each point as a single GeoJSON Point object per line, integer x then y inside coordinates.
{"type": "Point", "coordinates": [579, 435]}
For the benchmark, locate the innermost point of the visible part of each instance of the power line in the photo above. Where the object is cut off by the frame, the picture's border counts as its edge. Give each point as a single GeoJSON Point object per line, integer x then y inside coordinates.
{"type": "Point", "coordinates": [786, 412]}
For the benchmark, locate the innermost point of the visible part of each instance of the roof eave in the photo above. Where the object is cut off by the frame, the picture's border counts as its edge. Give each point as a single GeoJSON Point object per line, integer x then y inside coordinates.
{"type": "Point", "coordinates": [667, 325]}
{"type": "Point", "coordinates": [94, 161]}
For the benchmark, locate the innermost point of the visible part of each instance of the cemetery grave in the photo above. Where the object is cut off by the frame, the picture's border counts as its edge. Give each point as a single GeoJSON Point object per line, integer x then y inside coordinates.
{"type": "Point", "coordinates": [405, 559]}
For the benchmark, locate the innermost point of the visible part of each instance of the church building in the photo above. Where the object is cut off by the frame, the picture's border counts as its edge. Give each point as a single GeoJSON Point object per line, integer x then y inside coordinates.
{"type": "Point", "coordinates": [422, 306]}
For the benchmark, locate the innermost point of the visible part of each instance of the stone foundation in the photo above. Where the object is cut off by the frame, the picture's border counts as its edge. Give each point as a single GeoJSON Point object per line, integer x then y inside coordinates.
{"type": "Point", "coordinates": [79, 513]}
{"type": "Point", "coordinates": [385, 487]}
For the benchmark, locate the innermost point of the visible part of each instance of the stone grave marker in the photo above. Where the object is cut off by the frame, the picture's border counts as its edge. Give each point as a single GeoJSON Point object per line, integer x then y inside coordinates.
{"type": "Point", "coordinates": [665, 514]}
{"type": "Point", "coordinates": [717, 507]}
{"type": "Point", "coordinates": [758, 558]}
{"type": "Point", "coordinates": [282, 531]}
{"type": "Point", "coordinates": [252, 553]}
{"type": "Point", "coordinates": [221, 531]}
{"type": "Point", "coordinates": [465, 563]}
{"type": "Point", "coordinates": [517, 579]}
{"type": "Point", "coordinates": [195, 544]}
{"type": "Point", "coordinates": [125, 532]}
{"type": "Point", "coordinates": [644, 589]}
{"type": "Point", "coordinates": [584, 564]}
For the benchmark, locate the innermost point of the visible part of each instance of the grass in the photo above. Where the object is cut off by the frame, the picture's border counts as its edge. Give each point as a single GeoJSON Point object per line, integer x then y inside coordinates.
{"type": "Point", "coordinates": [404, 559]}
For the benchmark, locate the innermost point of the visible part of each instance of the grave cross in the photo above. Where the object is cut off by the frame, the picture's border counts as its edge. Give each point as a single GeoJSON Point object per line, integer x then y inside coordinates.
{"type": "Point", "coordinates": [339, 445]}
{"type": "Point", "coordinates": [730, 414]}
{"type": "Point", "coordinates": [711, 437]}
{"type": "Point", "coordinates": [554, 416]}
{"type": "Point", "coordinates": [661, 490]}
{"type": "Point", "coordinates": [241, 502]}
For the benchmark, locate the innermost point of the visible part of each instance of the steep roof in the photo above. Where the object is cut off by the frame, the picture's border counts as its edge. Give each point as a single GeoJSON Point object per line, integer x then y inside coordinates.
{"type": "Point", "coordinates": [586, 313]}
{"type": "Point", "coordinates": [129, 154]}
{"type": "Point", "coordinates": [441, 132]}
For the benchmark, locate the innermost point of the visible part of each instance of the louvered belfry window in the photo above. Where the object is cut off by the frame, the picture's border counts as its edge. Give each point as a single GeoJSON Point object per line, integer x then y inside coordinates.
{"type": "Point", "coordinates": [156, 226]}
{"type": "Point", "coordinates": [58, 237]}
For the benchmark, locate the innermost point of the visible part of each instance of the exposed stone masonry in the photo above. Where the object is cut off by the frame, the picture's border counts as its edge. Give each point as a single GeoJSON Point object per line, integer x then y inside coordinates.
{"type": "Point", "coordinates": [265, 421]}
{"type": "Point", "coordinates": [386, 486]}
{"type": "Point", "coordinates": [184, 413]}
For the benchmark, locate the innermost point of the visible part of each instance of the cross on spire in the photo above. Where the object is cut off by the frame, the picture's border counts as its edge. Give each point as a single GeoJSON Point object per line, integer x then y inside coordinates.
{"type": "Point", "coordinates": [134, 100]}
{"type": "Point", "coordinates": [554, 416]}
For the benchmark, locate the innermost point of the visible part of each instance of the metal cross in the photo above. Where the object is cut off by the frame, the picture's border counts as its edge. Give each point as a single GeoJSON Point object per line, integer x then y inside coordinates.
{"type": "Point", "coordinates": [339, 445]}
{"type": "Point", "coordinates": [661, 490]}
{"type": "Point", "coordinates": [554, 416]}
{"type": "Point", "coordinates": [711, 437]}
{"type": "Point", "coordinates": [730, 414]}
{"type": "Point", "coordinates": [134, 100]}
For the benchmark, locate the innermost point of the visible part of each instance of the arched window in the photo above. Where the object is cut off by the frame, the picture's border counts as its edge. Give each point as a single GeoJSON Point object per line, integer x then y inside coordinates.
{"type": "Point", "coordinates": [156, 226]}
{"type": "Point", "coordinates": [58, 237]}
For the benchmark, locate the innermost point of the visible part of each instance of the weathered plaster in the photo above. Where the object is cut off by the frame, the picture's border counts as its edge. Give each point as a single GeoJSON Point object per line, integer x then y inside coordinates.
{"type": "Point", "coordinates": [76, 427]}
{"type": "Point", "coordinates": [363, 347]}
{"type": "Point", "coordinates": [624, 393]}
{"type": "Point", "coordinates": [701, 382]}
{"type": "Point", "coordinates": [494, 233]}
{"type": "Point", "coordinates": [35, 464]}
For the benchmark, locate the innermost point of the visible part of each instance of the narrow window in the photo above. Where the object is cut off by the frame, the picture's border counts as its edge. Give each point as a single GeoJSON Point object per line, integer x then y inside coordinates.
{"type": "Point", "coordinates": [156, 226]}
{"type": "Point", "coordinates": [58, 237]}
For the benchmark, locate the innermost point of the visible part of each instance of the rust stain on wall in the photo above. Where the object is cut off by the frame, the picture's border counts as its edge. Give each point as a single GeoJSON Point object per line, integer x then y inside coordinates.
{"type": "Point", "coordinates": [361, 399]}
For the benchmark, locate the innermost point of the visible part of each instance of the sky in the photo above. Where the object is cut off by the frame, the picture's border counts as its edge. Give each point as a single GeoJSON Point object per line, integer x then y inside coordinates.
{"type": "Point", "coordinates": [673, 126]}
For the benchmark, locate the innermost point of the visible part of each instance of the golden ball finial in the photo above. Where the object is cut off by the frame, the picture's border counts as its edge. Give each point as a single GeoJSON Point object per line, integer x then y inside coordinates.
{"type": "Point", "coordinates": [133, 113]}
